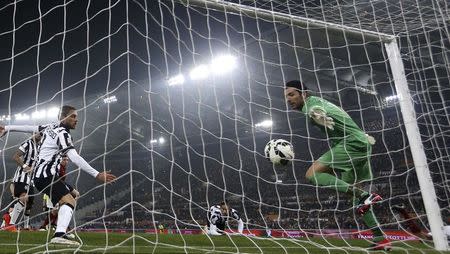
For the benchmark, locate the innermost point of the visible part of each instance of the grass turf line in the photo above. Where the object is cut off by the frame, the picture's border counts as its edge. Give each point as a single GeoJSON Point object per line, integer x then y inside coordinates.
{"type": "Point", "coordinates": [36, 242]}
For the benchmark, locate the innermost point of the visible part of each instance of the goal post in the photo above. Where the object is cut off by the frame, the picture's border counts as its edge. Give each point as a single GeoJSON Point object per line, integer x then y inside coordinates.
{"type": "Point", "coordinates": [417, 151]}
{"type": "Point", "coordinates": [407, 110]}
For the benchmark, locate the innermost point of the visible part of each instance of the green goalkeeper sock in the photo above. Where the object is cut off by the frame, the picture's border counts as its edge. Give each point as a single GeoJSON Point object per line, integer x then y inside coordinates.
{"type": "Point", "coordinates": [372, 223]}
{"type": "Point", "coordinates": [329, 181]}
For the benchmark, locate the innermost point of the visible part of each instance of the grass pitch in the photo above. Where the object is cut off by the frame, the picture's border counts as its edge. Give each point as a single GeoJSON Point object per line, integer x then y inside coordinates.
{"type": "Point", "coordinates": [37, 242]}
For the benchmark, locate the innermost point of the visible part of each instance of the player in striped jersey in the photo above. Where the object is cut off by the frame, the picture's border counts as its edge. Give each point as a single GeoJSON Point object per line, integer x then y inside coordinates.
{"type": "Point", "coordinates": [57, 142]}
{"type": "Point", "coordinates": [218, 216]}
{"type": "Point", "coordinates": [25, 158]}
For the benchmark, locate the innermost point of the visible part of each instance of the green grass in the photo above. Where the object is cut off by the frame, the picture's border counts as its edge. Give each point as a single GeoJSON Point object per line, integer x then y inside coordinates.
{"type": "Point", "coordinates": [35, 242]}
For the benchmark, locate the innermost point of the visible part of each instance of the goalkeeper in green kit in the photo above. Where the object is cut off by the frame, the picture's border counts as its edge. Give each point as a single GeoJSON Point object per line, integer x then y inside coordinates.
{"type": "Point", "coordinates": [349, 154]}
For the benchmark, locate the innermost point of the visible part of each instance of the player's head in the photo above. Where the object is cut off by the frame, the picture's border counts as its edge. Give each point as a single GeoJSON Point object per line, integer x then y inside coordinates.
{"type": "Point", "coordinates": [68, 116]}
{"type": "Point", "coordinates": [224, 207]}
{"type": "Point", "coordinates": [64, 160]}
{"type": "Point", "coordinates": [295, 93]}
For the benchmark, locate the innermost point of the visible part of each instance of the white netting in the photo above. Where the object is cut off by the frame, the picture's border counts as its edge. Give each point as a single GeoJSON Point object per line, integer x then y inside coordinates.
{"type": "Point", "coordinates": [185, 131]}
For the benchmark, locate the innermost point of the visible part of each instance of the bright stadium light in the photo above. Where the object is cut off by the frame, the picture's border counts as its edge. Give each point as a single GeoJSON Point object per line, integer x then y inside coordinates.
{"type": "Point", "coordinates": [52, 112]}
{"type": "Point", "coordinates": [21, 116]}
{"type": "Point", "coordinates": [392, 98]}
{"type": "Point", "coordinates": [365, 90]}
{"type": "Point", "coordinates": [223, 64]}
{"type": "Point", "coordinates": [160, 140]}
{"type": "Point", "coordinates": [110, 99]}
{"type": "Point", "coordinates": [264, 124]}
{"type": "Point", "coordinates": [39, 114]}
{"type": "Point", "coordinates": [176, 80]}
{"type": "Point", "coordinates": [5, 118]}
{"type": "Point", "coordinates": [199, 72]}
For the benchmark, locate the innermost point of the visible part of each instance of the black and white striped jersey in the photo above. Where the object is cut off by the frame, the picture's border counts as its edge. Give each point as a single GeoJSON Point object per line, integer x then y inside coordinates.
{"type": "Point", "coordinates": [56, 141]}
{"type": "Point", "coordinates": [30, 152]}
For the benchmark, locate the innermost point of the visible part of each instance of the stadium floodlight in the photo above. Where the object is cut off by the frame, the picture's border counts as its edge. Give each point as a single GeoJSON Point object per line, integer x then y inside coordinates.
{"type": "Point", "coordinates": [264, 124]}
{"type": "Point", "coordinates": [110, 99]}
{"type": "Point", "coordinates": [199, 72]}
{"type": "Point", "coordinates": [391, 98]}
{"type": "Point", "coordinates": [176, 80]}
{"type": "Point", "coordinates": [52, 112]}
{"type": "Point", "coordinates": [160, 140]}
{"type": "Point", "coordinates": [390, 101]}
{"type": "Point", "coordinates": [5, 118]}
{"type": "Point", "coordinates": [223, 64]}
{"type": "Point", "coordinates": [21, 116]}
{"type": "Point", "coordinates": [39, 114]}
{"type": "Point", "coordinates": [366, 90]}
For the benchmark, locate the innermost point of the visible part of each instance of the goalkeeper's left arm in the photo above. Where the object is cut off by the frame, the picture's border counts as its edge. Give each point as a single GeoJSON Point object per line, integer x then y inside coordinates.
{"type": "Point", "coordinates": [319, 115]}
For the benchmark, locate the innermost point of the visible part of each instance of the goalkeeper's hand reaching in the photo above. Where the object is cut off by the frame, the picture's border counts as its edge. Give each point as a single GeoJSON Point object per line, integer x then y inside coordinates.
{"type": "Point", "coordinates": [320, 117]}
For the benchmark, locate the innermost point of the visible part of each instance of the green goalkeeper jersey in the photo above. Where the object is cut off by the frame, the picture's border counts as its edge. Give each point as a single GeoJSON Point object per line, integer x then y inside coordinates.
{"type": "Point", "coordinates": [333, 120]}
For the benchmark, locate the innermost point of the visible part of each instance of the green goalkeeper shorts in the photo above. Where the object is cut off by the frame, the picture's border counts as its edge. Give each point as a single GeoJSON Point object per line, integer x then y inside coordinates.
{"type": "Point", "coordinates": [352, 159]}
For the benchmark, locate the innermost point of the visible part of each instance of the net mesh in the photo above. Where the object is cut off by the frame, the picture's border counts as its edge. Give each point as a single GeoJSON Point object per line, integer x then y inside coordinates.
{"type": "Point", "coordinates": [183, 131]}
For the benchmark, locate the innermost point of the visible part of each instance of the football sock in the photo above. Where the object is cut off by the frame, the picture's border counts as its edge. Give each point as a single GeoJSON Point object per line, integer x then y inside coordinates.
{"type": "Point", "coordinates": [18, 208]}
{"type": "Point", "coordinates": [64, 217]}
{"type": "Point", "coordinates": [26, 218]}
{"type": "Point", "coordinates": [372, 223]}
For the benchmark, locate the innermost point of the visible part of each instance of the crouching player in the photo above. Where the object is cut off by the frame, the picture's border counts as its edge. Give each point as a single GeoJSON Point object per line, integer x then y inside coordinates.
{"type": "Point", "coordinates": [218, 216]}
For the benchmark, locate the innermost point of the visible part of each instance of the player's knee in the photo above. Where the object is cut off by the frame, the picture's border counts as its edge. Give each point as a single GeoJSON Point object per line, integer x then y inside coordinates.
{"type": "Point", "coordinates": [316, 168]}
{"type": "Point", "coordinates": [73, 202]}
{"type": "Point", "coordinates": [310, 174]}
{"type": "Point", "coordinates": [68, 199]}
{"type": "Point", "coordinates": [75, 194]}
{"type": "Point", "coordinates": [23, 198]}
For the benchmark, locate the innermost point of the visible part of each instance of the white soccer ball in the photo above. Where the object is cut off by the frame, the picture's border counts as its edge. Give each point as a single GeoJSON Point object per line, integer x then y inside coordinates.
{"type": "Point", "coordinates": [279, 151]}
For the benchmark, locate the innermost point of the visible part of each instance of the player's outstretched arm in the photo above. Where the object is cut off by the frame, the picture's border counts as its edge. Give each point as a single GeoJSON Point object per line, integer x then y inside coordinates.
{"type": "Point", "coordinates": [104, 177]}
{"type": "Point", "coordinates": [19, 128]}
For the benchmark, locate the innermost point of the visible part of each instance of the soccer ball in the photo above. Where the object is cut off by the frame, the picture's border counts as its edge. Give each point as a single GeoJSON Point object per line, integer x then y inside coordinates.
{"type": "Point", "coordinates": [279, 151]}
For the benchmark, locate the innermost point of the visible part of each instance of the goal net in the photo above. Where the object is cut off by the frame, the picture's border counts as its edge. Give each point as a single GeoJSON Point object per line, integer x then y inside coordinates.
{"type": "Point", "coordinates": [179, 98]}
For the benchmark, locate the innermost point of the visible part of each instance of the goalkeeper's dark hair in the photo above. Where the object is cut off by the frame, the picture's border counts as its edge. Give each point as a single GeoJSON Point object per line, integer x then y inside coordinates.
{"type": "Point", "coordinates": [297, 84]}
{"type": "Point", "coordinates": [65, 110]}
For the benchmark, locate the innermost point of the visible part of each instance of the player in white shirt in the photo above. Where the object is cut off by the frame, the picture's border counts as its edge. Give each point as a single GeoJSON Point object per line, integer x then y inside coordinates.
{"type": "Point", "coordinates": [57, 142]}
{"type": "Point", "coordinates": [218, 216]}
